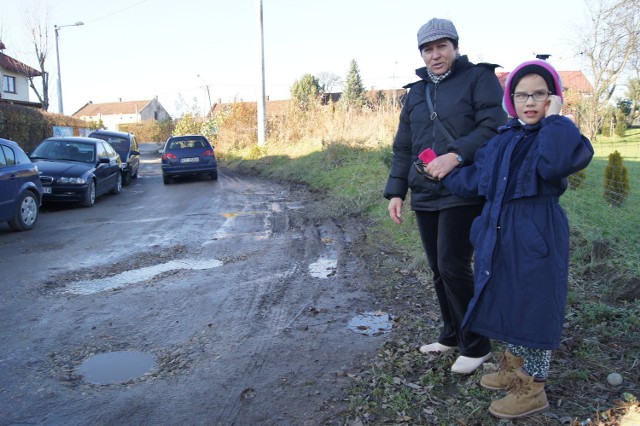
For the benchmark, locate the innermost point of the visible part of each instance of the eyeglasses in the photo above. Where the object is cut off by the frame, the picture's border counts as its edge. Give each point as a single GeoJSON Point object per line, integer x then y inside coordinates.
{"type": "Point", "coordinates": [419, 166]}
{"type": "Point", "coordinates": [538, 96]}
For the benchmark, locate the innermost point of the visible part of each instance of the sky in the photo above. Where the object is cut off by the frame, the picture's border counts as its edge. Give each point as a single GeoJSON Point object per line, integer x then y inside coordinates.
{"type": "Point", "coordinates": [174, 49]}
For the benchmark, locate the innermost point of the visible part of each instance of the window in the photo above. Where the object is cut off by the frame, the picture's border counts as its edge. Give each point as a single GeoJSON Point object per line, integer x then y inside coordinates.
{"type": "Point", "coordinates": [8, 84]}
{"type": "Point", "coordinates": [10, 157]}
{"type": "Point", "coordinates": [3, 160]}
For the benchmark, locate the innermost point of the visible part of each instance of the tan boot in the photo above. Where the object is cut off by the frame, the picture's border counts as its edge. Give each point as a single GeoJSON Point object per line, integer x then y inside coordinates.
{"type": "Point", "coordinates": [501, 379]}
{"type": "Point", "coordinates": [525, 397]}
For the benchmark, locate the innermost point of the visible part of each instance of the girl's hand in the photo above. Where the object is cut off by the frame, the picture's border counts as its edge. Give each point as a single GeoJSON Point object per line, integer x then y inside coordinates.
{"type": "Point", "coordinates": [554, 105]}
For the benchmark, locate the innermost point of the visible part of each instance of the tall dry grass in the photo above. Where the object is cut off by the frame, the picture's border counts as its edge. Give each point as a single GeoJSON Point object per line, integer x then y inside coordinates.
{"type": "Point", "coordinates": [296, 132]}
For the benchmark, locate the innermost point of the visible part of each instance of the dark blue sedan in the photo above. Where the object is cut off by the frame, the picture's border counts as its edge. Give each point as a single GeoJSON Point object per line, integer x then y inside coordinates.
{"type": "Point", "coordinates": [77, 169]}
{"type": "Point", "coordinates": [20, 187]}
{"type": "Point", "coordinates": [188, 155]}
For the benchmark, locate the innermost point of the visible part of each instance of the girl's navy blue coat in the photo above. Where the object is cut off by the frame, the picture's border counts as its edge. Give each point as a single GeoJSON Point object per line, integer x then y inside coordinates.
{"type": "Point", "coordinates": [521, 239]}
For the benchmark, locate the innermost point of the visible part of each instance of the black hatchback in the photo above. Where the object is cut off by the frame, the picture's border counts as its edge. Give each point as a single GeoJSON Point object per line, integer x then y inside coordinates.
{"type": "Point", "coordinates": [126, 146]}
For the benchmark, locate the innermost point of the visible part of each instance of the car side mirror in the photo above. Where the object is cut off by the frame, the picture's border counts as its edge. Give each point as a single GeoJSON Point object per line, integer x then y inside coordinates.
{"type": "Point", "coordinates": [104, 160]}
{"type": "Point", "coordinates": [134, 152]}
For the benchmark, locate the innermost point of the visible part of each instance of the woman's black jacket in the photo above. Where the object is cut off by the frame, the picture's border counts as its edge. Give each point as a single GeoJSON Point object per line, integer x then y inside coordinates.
{"type": "Point", "coordinates": [469, 104]}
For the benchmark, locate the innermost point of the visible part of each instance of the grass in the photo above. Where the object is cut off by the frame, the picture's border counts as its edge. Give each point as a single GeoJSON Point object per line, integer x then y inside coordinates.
{"type": "Point", "coordinates": [402, 386]}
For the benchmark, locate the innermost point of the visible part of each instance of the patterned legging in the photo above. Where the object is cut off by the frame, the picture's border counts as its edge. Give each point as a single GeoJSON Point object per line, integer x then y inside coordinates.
{"type": "Point", "coordinates": [536, 361]}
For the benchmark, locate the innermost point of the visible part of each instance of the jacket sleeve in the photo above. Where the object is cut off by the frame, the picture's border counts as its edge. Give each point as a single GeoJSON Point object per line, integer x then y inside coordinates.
{"type": "Point", "coordinates": [465, 181]}
{"type": "Point", "coordinates": [397, 183]}
{"type": "Point", "coordinates": [488, 115]}
{"type": "Point", "coordinates": [562, 149]}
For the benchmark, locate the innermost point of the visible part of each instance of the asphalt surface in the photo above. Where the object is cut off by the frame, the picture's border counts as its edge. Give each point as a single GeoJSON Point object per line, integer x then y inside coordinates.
{"type": "Point", "coordinates": [212, 302]}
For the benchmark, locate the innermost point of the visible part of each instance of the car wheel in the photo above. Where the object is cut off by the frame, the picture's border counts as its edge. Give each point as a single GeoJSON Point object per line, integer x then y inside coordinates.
{"type": "Point", "coordinates": [116, 189]}
{"type": "Point", "coordinates": [214, 175]}
{"type": "Point", "coordinates": [90, 195]}
{"type": "Point", "coordinates": [126, 179]}
{"type": "Point", "coordinates": [27, 210]}
{"type": "Point", "coordinates": [166, 179]}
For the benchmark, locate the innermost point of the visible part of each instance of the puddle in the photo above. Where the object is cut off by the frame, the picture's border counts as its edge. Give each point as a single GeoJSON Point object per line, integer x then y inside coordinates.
{"type": "Point", "coordinates": [137, 275]}
{"type": "Point", "coordinates": [371, 323]}
{"type": "Point", "coordinates": [116, 367]}
{"type": "Point", "coordinates": [323, 268]}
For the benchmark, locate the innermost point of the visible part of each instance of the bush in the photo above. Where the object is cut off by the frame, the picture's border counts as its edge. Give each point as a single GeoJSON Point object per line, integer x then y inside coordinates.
{"type": "Point", "coordinates": [616, 180]}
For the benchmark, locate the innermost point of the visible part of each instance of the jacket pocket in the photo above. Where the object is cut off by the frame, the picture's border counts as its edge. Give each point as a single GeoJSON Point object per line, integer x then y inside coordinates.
{"type": "Point", "coordinates": [533, 241]}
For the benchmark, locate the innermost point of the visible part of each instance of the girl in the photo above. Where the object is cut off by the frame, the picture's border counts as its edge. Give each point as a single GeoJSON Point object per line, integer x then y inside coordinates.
{"type": "Point", "coordinates": [521, 239]}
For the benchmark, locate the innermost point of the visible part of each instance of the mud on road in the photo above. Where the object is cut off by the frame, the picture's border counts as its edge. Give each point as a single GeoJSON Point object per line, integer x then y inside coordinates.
{"type": "Point", "coordinates": [236, 292]}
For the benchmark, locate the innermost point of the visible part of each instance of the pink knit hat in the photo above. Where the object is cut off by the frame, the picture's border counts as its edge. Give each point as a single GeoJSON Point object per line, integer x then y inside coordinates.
{"type": "Point", "coordinates": [536, 66]}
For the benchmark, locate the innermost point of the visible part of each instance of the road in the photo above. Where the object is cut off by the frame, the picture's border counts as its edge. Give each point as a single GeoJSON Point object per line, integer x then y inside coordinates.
{"type": "Point", "coordinates": [201, 302]}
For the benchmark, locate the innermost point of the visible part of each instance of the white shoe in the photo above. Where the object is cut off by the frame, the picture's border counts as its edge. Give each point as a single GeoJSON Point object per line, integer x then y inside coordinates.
{"type": "Point", "coordinates": [435, 347]}
{"type": "Point", "coordinates": [466, 365]}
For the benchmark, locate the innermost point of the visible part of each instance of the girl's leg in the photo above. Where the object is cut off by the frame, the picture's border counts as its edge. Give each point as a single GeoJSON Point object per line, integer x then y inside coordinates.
{"type": "Point", "coordinates": [536, 361]}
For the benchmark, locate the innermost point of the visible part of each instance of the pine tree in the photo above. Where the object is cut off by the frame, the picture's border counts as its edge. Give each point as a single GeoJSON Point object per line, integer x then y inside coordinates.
{"type": "Point", "coordinates": [616, 180]}
{"type": "Point", "coordinates": [353, 95]}
{"type": "Point", "coordinates": [305, 91]}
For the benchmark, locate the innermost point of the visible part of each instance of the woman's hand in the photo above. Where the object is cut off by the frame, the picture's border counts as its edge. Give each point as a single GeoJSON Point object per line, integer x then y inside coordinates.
{"type": "Point", "coordinates": [395, 209]}
{"type": "Point", "coordinates": [442, 165]}
{"type": "Point", "coordinates": [554, 105]}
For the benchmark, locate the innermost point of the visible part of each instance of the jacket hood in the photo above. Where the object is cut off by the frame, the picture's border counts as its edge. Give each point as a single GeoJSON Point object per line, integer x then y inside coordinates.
{"type": "Point", "coordinates": [536, 66]}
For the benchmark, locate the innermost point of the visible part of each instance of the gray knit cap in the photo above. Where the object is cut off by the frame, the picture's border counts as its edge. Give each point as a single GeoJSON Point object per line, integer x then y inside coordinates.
{"type": "Point", "coordinates": [436, 29]}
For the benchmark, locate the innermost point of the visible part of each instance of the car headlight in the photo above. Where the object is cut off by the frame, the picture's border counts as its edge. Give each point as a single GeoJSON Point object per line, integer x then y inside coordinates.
{"type": "Point", "coordinates": [72, 181]}
{"type": "Point", "coordinates": [124, 166]}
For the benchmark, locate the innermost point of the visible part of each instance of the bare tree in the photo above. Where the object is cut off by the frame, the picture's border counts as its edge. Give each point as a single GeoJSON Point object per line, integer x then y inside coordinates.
{"type": "Point", "coordinates": [608, 45]}
{"type": "Point", "coordinates": [38, 22]}
{"type": "Point", "coordinates": [328, 81]}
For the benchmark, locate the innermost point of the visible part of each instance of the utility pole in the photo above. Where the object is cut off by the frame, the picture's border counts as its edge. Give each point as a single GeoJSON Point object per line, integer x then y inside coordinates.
{"type": "Point", "coordinates": [208, 94]}
{"type": "Point", "coordinates": [57, 29]}
{"type": "Point", "coordinates": [262, 105]}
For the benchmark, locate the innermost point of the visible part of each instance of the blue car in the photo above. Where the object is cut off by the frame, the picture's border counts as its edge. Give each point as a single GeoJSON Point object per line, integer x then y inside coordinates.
{"type": "Point", "coordinates": [20, 187]}
{"type": "Point", "coordinates": [77, 169]}
{"type": "Point", "coordinates": [126, 146]}
{"type": "Point", "coordinates": [187, 156]}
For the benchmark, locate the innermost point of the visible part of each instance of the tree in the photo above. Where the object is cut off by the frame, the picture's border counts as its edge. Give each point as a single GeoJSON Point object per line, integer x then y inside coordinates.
{"type": "Point", "coordinates": [328, 81]}
{"type": "Point", "coordinates": [305, 91]}
{"type": "Point", "coordinates": [607, 45]}
{"type": "Point", "coordinates": [633, 98]}
{"type": "Point", "coordinates": [37, 22]}
{"type": "Point", "coordinates": [353, 95]}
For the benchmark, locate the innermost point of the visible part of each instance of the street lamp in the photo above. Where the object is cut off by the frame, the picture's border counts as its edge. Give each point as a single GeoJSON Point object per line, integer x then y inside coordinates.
{"type": "Point", "coordinates": [208, 94]}
{"type": "Point", "coordinates": [57, 29]}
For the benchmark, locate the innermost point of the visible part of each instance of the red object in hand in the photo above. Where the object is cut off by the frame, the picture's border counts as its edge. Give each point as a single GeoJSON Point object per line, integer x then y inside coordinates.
{"type": "Point", "coordinates": [427, 155]}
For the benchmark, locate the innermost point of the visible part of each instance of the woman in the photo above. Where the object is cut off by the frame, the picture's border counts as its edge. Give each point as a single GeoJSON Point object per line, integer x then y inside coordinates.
{"type": "Point", "coordinates": [465, 111]}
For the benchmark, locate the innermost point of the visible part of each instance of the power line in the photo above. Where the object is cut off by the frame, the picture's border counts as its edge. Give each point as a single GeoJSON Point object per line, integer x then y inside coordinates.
{"type": "Point", "coordinates": [119, 11]}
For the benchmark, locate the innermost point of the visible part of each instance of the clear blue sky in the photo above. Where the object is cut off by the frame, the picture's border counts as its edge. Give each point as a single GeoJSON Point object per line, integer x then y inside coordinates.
{"type": "Point", "coordinates": [138, 49]}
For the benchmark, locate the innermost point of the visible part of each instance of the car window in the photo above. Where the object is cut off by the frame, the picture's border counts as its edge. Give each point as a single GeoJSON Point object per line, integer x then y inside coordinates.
{"type": "Point", "coordinates": [102, 150]}
{"type": "Point", "coordinates": [134, 143]}
{"type": "Point", "coordinates": [9, 156]}
{"type": "Point", "coordinates": [110, 151]}
{"type": "Point", "coordinates": [187, 143]}
{"type": "Point", "coordinates": [3, 160]}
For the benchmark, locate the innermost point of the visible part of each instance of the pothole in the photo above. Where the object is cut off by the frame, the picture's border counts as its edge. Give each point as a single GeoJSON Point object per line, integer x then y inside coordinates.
{"type": "Point", "coordinates": [135, 276]}
{"type": "Point", "coordinates": [116, 367]}
{"type": "Point", "coordinates": [371, 323]}
{"type": "Point", "coordinates": [323, 268]}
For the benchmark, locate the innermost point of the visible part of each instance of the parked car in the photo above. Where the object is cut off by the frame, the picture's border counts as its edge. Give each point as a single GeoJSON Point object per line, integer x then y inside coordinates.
{"type": "Point", "coordinates": [188, 155]}
{"type": "Point", "coordinates": [20, 187]}
{"type": "Point", "coordinates": [126, 146]}
{"type": "Point", "coordinates": [77, 169]}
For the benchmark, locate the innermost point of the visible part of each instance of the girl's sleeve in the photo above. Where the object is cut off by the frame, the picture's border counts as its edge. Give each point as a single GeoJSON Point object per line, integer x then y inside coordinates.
{"type": "Point", "coordinates": [465, 181]}
{"type": "Point", "coordinates": [562, 150]}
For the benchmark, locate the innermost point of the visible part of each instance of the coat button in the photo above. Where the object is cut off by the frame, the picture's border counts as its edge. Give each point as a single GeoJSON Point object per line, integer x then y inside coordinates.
{"type": "Point", "coordinates": [486, 273]}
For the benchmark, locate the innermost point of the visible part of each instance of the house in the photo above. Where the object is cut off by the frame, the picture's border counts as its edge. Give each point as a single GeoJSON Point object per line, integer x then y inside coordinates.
{"type": "Point", "coordinates": [113, 114]}
{"type": "Point", "coordinates": [15, 80]}
{"type": "Point", "coordinates": [574, 86]}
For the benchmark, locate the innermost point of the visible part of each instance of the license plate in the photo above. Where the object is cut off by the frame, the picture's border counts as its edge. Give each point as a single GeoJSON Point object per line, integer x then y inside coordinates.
{"type": "Point", "coordinates": [190, 160]}
{"type": "Point", "coordinates": [46, 190]}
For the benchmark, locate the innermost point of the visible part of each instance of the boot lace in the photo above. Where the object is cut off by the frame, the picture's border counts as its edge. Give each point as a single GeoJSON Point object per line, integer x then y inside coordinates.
{"type": "Point", "coordinates": [518, 387]}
